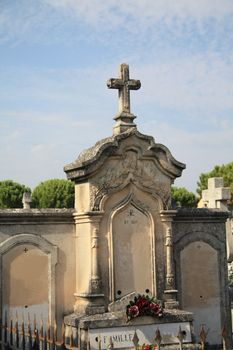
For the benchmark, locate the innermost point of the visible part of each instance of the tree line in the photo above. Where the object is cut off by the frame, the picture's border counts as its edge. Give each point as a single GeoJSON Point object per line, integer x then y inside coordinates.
{"type": "Point", "coordinates": [54, 193]}
{"type": "Point", "coordinates": [184, 198]}
{"type": "Point", "coordinates": [59, 193]}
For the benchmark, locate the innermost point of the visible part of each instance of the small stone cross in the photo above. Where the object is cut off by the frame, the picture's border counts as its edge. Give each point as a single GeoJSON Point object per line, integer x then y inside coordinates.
{"type": "Point", "coordinates": [216, 195]}
{"type": "Point", "coordinates": [124, 84]}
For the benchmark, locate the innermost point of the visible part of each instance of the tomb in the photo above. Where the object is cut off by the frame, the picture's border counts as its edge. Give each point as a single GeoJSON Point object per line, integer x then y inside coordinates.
{"type": "Point", "coordinates": [123, 240]}
{"type": "Point", "coordinates": [127, 233]}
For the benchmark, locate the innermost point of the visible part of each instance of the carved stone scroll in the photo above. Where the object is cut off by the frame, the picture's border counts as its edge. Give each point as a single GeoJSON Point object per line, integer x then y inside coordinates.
{"type": "Point", "coordinates": [142, 173]}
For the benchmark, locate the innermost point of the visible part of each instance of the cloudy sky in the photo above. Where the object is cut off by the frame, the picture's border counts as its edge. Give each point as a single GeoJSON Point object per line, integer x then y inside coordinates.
{"type": "Point", "coordinates": [56, 56]}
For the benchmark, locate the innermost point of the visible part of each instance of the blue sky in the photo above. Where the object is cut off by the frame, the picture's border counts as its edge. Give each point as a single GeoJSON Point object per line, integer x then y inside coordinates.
{"type": "Point", "coordinates": [56, 56]}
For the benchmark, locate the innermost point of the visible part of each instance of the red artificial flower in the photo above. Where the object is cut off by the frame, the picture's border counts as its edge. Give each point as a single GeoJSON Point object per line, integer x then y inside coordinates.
{"type": "Point", "coordinates": [142, 303]}
{"type": "Point", "coordinates": [133, 311]}
{"type": "Point", "coordinates": [155, 308]}
{"type": "Point", "coordinates": [146, 347]}
{"type": "Point", "coordinates": [143, 306]}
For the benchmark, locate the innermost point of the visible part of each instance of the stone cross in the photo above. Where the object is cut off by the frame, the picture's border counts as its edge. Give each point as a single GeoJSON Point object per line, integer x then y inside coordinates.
{"type": "Point", "coordinates": [216, 195]}
{"type": "Point", "coordinates": [124, 84]}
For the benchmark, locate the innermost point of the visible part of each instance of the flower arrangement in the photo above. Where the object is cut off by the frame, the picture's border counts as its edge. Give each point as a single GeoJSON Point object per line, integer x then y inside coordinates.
{"type": "Point", "coordinates": [143, 305]}
{"type": "Point", "coordinates": [148, 347]}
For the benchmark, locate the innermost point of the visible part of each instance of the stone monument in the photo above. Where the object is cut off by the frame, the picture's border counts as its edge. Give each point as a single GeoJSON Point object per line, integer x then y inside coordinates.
{"type": "Point", "coordinates": [123, 265]}
{"type": "Point", "coordinates": [124, 238]}
{"type": "Point", "coordinates": [216, 196]}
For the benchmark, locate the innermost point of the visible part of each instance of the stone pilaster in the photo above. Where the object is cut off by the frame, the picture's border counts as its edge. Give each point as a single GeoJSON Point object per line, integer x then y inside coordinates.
{"type": "Point", "coordinates": [89, 296]}
{"type": "Point", "coordinates": [170, 292]}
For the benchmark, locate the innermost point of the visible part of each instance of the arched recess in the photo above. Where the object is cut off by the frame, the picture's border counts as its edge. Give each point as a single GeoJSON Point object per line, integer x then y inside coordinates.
{"type": "Point", "coordinates": [44, 246]}
{"type": "Point", "coordinates": [132, 265]}
{"type": "Point", "coordinates": [199, 257]}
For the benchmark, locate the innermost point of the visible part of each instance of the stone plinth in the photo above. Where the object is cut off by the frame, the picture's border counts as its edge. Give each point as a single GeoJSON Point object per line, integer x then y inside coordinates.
{"type": "Point", "coordinates": [100, 327]}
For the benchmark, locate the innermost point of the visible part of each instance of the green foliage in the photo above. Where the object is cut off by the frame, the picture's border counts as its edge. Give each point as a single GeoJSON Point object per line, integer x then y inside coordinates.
{"type": "Point", "coordinates": [230, 278]}
{"type": "Point", "coordinates": [54, 193]}
{"type": "Point", "coordinates": [11, 194]}
{"type": "Point", "coordinates": [225, 171]}
{"type": "Point", "coordinates": [183, 197]}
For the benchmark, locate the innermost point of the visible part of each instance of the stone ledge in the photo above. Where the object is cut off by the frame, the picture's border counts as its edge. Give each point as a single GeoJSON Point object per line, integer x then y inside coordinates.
{"type": "Point", "coordinates": [200, 214]}
{"type": "Point", "coordinates": [118, 319]}
{"type": "Point", "coordinates": [26, 216]}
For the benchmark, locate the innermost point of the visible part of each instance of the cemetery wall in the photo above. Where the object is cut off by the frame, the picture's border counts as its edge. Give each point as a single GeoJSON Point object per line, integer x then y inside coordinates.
{"type": "Point", "coordinates": [201, 268]}
{"type": "Point", "coordinates": [37, 253]}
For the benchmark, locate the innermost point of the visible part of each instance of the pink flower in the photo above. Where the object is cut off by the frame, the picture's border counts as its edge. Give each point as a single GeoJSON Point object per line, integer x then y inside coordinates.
{"type": "Point", "coordinates": [145, 347]}
{"type": "Point", "coordinates": [133, 311]}
{"type": "Point", "coordinates": [155, 308]}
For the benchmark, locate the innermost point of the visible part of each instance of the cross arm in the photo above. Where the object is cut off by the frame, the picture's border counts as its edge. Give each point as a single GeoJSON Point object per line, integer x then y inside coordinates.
{"type": "Point", "coordinates": [115, 83]}
{"type": "Point", "coordinates": [134, 84]}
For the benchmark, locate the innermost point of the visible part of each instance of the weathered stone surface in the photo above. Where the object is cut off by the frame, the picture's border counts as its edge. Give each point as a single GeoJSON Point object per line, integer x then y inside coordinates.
{"type": "Point", "coordinates": [93, 158]}
{"type": "Point", "coordinates": [51, 234]}
{"type": "Point", "coordinates": [121, 304]}
{"type": "Point", "coordinates": [118, 318]}
{"type": "Point", "coordinates": [201, 260]}
{"type": "Point", "coordinates": [36, 215]}
{"type": "Point", "coordinates": [124, 119]}
{"type": "Point", "coordinates": [216, 195]}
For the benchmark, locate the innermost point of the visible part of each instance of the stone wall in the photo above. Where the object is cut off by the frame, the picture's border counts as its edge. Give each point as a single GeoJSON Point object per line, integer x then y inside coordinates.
{"type": "Point", "coordinates": [37, 255]}
{"type": "Point", "coordinates": [201, 268]}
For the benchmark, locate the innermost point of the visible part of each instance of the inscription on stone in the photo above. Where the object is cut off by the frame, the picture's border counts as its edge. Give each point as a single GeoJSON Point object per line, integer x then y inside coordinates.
{"type": "Point", "coordinates": [122, 337]}
{"type": "Point", "coordinates": [130, 217]}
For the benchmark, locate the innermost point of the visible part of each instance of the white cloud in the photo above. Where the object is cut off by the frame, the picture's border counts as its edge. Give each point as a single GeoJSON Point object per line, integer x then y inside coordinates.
{"type": "Point", "coordinates": [180, 50]}
{"type": "Point", "coordinates": [47, 20]}
{"type": "Point", "coordinates": [101, 10]}
{"type": "Point", "coordinates": [195, 86]}
{"type": "Point", "coordinates": [199, 85]}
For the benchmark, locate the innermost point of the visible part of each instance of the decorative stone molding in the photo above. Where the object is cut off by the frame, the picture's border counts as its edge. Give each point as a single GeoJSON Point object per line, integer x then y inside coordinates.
{"type": "Point", "coordinates": [143, 174]}
{"type": "Point", "coordinates": [93, 158]}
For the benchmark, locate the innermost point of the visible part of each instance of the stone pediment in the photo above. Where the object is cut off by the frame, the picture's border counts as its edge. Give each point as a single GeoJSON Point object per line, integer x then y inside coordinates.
{"type": "Point", "coordinates": [92, 159]}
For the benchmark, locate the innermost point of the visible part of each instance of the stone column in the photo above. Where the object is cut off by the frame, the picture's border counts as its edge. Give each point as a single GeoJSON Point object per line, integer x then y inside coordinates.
{"type": "Point", "coordinates": [170, 293]}
{"type": "Point", "coordinates": [89, 296]}
{"type": "Point", "coordinates": [169, 260]}
{"type": "Point", "coordinates": [95, 273]}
